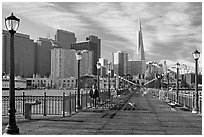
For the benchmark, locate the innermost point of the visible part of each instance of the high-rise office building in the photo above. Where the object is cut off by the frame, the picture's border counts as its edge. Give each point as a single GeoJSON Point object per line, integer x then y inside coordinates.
{"type": "Point", "coordinates": [138, 65]}
{"type": "Point", "coordinates": [95, 39]}
{"type": "Point", "coordinates": [139, 54]}
{"type": "Point", "coordinates": [64, 63]}
{"type": "Point", "coordinates": [65, 38]}
{"type": "Point", "coordinates": [24, 54]}
{"type": "Point", "coordinates": [120, 63]}
{"type": "Point", "coordinates": [43, 56]}
{"type": "Point", "coordinates": [104, 67]}
{"type": "Point", "coordinates": [92, 44]}
{"type": "Point", "coordinates": [86, 63]}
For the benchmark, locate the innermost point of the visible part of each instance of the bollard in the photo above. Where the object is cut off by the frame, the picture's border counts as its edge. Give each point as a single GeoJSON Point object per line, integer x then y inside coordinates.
{"type": "Point", "coordinates": [44, 114]}
{"type": "Point", "coordinates": [63, 105]}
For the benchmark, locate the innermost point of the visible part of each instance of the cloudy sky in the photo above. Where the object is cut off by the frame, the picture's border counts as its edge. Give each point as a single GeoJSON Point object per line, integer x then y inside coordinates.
{"type": "Point", "coordinates": [171, 31]}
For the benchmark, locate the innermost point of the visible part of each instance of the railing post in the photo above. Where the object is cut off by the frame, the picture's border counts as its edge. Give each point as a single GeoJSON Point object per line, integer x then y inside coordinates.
{"type": "Point", "coordinates": [63, 105]}
{"type": "Point", "coordinates": [81, 99]}
{"type": "Point", "coordinates": [86, 98]}
{"type": "Point", "coordinates": [182, 98]}
{"type": "Point", "coordinates": [102, 95]}
{"type": "Point", "coordinates": [200, 103]}
{"type": "Point", "coordinates": [23, 103]}
{"type": "Point", "coordinates": [44, 114]}
{"type": "Point", "coordinates": [75, 96]}
{"type": "Point", "coordinates": [189, 100]}
{"type": "Point", "coordinates": [70, 103]}
{"type": "Point", "coordinates": [193, 100]}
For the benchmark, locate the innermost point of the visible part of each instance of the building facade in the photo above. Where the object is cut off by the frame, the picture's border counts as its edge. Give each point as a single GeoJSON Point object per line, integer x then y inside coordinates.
{"type": "Point", "coordinates": [65, 38]}
{"type": "Point", "coordinates": [67, 83]}
{"type": "Point", "coordinates": [24, 54]}
{"type": "Point", "coordinates": [43, 57]}
{"type": "Point", "coordinates": [136, 67]}
{"type": "Point", "coordinates": [92, 44]}
{"type": "Point", "coordinates": [120, 63]}
{"type": "Point", "coordinates": [104, 67]}
{"type": "Point", "coordinates": [63, 63]}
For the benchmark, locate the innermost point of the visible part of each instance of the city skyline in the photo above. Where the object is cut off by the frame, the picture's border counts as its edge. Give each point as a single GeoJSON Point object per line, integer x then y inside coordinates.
{"type": "Point", "coordinates": [170, 32]}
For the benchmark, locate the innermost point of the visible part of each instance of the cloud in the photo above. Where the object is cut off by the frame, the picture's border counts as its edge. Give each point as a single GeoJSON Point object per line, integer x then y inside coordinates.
{"type": "Point", "coordinates": [170, 30]}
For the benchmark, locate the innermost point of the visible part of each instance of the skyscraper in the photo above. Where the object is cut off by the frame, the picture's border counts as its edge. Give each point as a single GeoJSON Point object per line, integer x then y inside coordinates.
{"type": "Point", "coordinates": [93, 44]}
{"type": "Point", "coordinates": [63, 63]}
{"type": "Point", "coordinates": [43, 57]}
{"type": "Point", "coordinates": [139, 52]}
{"type": "Point", "coordinates": [24, 55]}
{"type": "Point", "coordinates": [120, 63]}
{"type": "Point", "coordinates": [138, 65]}
{"type": "Point", "coordinates": [65, 38]}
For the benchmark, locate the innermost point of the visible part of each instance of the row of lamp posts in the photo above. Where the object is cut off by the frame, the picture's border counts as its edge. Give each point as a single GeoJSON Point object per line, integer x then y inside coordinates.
{"type": "Point", "coordinates": [196, 55]}
{"type": "Point", "coordinates": [12, 24]}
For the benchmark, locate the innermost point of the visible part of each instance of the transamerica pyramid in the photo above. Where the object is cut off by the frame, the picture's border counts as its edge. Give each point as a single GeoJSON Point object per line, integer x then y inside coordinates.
{"type": "Point", "coordinates": [139, 54]}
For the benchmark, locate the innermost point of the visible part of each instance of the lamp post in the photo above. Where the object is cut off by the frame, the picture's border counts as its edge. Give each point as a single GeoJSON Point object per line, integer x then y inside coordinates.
{"type": "Point", "coordinates": [98, 65]}
{"type": "Point", "coordinates": [177, 82]}
{"type": "Point", "coordinates": [109, 95]}
{"type": "Point", "coordinates": [159, 78]}
{"type": "Point", "coordinates": [196, 55]}
{"type": "Point", "coordinates": [162, 76]}
{"type": "Point", "coordinates": [78, 57]}
{"type": "Point", "coordinates": [118, 82]}
{"type": "Point", "coordinates": [167, 76]}
{"type": "Point", "coordinates": [115, 81]}
{"type": "Point", "coordinates": [12, 24]}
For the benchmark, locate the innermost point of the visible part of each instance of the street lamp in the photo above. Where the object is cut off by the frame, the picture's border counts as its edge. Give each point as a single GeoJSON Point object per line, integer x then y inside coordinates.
{"type": "Point", "coordinates": [98, 65]}
{"type": "Point", "coordinates": [159, 78]}
{"type": "Point", "coordinates": [119, 81]}
{"type": "Point", "coordinates": [115, 81]}
{"type": "Point", "coordinates": [167, 76]}
{"type": "Point", "coordinates": [196, 55]}
{"type": "Point", "coordinates": [109, 71]}
{"type": "Point", "coordinates": [78, 57]}
{"type": "Point", "coordinates": [162, 76]}
{"type": "Point", "coordinates": [177, 82]}
{"type": "Point", "coordinates": [12, 24]}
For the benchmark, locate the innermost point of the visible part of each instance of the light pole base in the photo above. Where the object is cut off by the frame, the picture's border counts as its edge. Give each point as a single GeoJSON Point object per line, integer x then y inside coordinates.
{"type": "Point", "coordinates": [11, 130]}
{"type": "Point", "coordinates": [195, 111]}
{"type": "Point", "coordinates": [79, 108]}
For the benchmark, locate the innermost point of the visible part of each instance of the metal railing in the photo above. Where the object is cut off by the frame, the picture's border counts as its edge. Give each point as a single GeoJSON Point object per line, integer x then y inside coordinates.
{"type": "Point", "coordinates": [51, 105]}
{"type": "Point", "coordinates": [186, 98]}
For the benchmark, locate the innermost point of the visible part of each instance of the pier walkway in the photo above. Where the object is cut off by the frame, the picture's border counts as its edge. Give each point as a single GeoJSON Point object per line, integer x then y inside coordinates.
{"type": "Point", "coordinates": [151, 116]}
